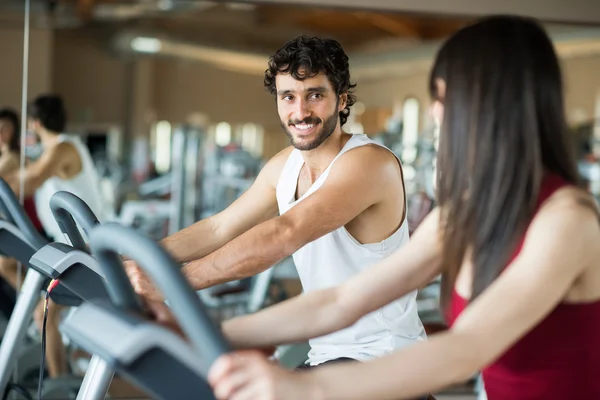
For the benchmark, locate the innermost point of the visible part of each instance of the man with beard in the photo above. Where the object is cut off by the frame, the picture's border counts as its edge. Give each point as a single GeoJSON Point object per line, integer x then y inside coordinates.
{"type": "Point", "coordinates": [333, 200]}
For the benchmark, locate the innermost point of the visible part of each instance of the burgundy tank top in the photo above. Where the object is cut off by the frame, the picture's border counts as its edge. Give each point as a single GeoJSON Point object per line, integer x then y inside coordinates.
{"type": "Point", "coordinates": [559, 359]}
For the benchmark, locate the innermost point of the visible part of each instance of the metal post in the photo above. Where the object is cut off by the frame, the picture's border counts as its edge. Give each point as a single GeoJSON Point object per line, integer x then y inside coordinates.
{"type": "Point", "coordinates": [97, 380]}
{"type": "Point", "coordinates": [18, 323]}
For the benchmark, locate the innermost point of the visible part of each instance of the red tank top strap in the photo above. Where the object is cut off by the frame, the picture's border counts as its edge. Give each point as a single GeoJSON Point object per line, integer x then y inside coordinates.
{"type": "Point", "coordinates": [550, 184]}
{"type": "Point", "coordinates": [556, 359]}
{"type": "Point", "coordinates": [30, 210]}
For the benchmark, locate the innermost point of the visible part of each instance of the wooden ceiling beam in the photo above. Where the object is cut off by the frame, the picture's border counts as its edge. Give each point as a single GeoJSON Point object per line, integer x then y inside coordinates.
{"type": "Point", "coordinates": [573, 11]}
{"type": "Point", "coordinates": [390, 24]}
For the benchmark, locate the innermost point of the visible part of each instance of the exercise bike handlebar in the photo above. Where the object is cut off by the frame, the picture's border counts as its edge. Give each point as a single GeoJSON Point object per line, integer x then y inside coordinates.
{"type": "Point", "coordinates": [165, 273]}
{"type": "Point", "coordinates": [68, 208]}
{"type": "Point", "coordinates": [15, 213]}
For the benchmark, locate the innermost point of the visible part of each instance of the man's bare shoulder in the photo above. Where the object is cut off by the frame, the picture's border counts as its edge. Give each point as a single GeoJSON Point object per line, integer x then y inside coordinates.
{"type": "Point", "coordinates": [63, 156]}
{"type": "Point", "coordinates": [370, 161]}
{"type": "Point", "coordinates": [63, 149]}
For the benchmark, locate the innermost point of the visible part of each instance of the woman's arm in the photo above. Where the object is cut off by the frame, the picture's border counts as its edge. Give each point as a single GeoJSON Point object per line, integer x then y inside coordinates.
{"type": "Point", "coordinates": [555, 253]}
{"type": "Point", "coordinates": [9, 163]}
{"type": "Point", "coordinates": [325, 311]}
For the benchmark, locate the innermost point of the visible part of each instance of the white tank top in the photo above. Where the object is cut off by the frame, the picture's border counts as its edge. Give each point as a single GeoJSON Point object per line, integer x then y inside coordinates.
{"type": "Point", "coordinates": [337, 256]}
{"type": "Point", "coordinates": [85, 185]}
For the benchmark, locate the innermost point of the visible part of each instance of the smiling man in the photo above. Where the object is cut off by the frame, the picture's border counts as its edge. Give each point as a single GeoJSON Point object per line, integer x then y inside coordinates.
{"type": "Point", "coordinates": [333, 200]}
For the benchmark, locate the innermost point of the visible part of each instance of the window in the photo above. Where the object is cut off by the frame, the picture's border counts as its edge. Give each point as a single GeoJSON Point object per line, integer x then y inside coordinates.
{"type": "Point", "coordinates": [353, 124]}
{"type": "Point", "coordinates": [410, 133]}
{"type": "Point", "coordinates": [252, 139]}
{"type": "Point", "coordinates": [223, 134]}
{"type": "Point", "coordinates": [162, 146]}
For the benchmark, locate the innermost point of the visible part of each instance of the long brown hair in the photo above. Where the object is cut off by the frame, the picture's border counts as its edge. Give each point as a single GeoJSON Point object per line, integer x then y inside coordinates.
{"type": "Point", "coordinates": [15, 140]}
{"type": "Point", "coordinates": [503, 129]}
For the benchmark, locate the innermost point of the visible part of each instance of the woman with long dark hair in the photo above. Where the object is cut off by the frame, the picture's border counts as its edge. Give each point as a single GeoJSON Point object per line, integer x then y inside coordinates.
{"type": "Point", "coordinates": [514, 237]}
{"type": "Point", "coordinates": [10, 149]}
{"type": "Point", "coordinates": [10, 162]}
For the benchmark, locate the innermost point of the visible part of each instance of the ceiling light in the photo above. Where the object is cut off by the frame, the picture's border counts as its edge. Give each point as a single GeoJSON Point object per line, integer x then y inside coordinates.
{"type": "Point", "coordinates": [146, 44]}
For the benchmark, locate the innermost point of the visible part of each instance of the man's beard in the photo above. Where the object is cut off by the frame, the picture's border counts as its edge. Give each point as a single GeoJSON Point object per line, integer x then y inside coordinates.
{"type": "Point", "coordinates": [326, 129]}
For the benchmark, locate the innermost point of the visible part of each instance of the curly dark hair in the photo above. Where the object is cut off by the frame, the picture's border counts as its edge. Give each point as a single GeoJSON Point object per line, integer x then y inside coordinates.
{"type": "Point", "coordinates": [50, 111]}
{"type": "Point", "coordinates": [305, 57]}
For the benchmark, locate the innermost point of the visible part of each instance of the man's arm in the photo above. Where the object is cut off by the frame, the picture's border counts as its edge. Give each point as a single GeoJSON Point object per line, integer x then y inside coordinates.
{"type": "Point", "coordinates": [329, 310]}
{"type": "Point", "coordinates": [257, 204]}
{"type": "Point", "coordinates": [36, 173]}
{"type": "Point", "coordinates": [254, 206]}
{"type": "Point", "coordinates": [355, 183]}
